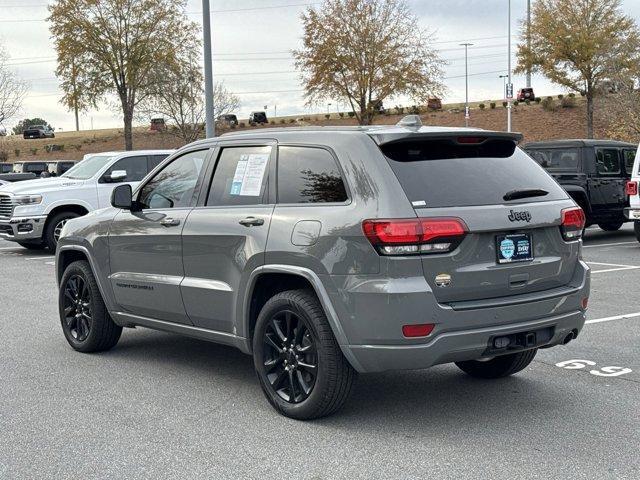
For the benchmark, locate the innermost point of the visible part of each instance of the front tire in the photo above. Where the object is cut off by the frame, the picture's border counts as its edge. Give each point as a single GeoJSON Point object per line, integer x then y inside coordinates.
{"type": "Point", "coordinates": [299, 364]}
{"type": "Point", "coordinates": [32, 246]}
{"type": "Point", "coordinates": [86, 324]}
{"type": "Point", "coordinates": [54, 227]}
{"type": "Point", "coordinates": [498, 367]}
{"type": "Point", "coordinates": [610, 226]}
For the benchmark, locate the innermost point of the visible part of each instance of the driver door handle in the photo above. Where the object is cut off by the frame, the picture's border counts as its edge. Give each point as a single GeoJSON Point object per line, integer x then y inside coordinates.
{"type": "Point", "coordinates": [252, 222]}
{"type": "Point", "coordinates": [170, 222]}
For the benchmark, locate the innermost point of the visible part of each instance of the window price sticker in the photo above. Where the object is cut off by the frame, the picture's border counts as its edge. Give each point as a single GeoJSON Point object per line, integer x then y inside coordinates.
{"type": "Point", "coordinates": [249, 175]}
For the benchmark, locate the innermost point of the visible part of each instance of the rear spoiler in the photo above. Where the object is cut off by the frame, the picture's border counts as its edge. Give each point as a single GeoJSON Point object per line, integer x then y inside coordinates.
{"type": "Point", "coordinates": [411, 130]}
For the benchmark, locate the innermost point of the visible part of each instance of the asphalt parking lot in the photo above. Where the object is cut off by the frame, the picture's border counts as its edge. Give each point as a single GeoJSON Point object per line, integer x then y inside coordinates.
{"type": "Point", "coordinates": [164, 406]}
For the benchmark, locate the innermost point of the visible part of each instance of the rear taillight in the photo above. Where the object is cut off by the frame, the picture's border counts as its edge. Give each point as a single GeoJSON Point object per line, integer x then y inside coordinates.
{"type": "Point", "coordinates": [413, 236]}
{"type": "Point", "coordinates": [631, 188]}
{"type": "Point", "coordinates": [573, 221]}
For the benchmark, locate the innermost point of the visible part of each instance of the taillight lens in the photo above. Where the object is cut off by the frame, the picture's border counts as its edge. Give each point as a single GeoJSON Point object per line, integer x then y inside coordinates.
{"type": "Point", "coordinates": [631, 188]}
{"type": "Point", "coordinates": [415, 236]}
{"type": "Point", "coordinates": [573, 221]}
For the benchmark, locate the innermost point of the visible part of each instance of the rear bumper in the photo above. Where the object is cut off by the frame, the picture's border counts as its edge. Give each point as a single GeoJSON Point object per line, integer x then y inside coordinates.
{"type": "Point", "coordinates": [632, 213]}
{"type": "Point", "coordinates": [457, 346]}
{"type": "Point", "coordinates": [374, 315]}
{"type": "Point", "coordinates": [18, 229]}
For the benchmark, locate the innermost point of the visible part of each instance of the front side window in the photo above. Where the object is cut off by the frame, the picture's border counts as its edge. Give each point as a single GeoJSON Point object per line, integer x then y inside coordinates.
{"type": "Point", "coordinates": [309, 175]}
{"type": "Point", "coordinates": [175, 185]}
{"type": "Point", "coordinates": [136, 168]}
{"type": "Point", "coordinates": [87, 168]}
{"type": "Point", "coordinates": [608, 161]}
{"type": "Point", "coordinates": [241, 177]}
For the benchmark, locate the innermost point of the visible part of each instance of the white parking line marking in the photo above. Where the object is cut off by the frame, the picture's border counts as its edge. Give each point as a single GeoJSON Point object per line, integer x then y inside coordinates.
{"type": "Point", "coordinates": [43, 257]}
{"type": "Point", "coordinates": [618, 267]}
{"type": "Point", "coordinates": [607, 244]}
{"type": "Point", "coordinates": [617, 317]}
{"type": "Point", "coordinates": [614, 269]}
{"type": "Point", "coordinates": [612, 264]}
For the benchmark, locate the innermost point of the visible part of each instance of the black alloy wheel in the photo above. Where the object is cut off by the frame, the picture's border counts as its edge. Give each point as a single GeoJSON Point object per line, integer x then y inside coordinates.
{"type": "Point", "coordinates": [290, 357]}
{"type": "Point", "coordinates": [78, 318]}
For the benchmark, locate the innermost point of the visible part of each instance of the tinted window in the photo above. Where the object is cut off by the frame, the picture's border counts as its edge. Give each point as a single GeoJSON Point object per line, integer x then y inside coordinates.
{"type": "Point", "coordinates": [155, 160]}
{"type": "Point", "coordinates": [557, 158]}
{"type": "Point", "coordinates": [136, 168]}
{"type": "Point", "coordinates": [34, 167]}
{"type": "Point", "coordinates": [240, 177]}
{"type": "Point", "coordinates": [308, 175]}
{"type": "Point", "coordinates": [629, 158]}
{"type": "Point", "coordinates": [175, 185]}
{"type": "Point", "coordinates": [608, 161]}
{"type": "Point", "coordinates": [467, 175]}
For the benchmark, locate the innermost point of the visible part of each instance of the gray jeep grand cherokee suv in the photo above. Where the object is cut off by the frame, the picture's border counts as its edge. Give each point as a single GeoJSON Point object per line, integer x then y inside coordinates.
{"type": "Point", "coordinates": [329, 251]}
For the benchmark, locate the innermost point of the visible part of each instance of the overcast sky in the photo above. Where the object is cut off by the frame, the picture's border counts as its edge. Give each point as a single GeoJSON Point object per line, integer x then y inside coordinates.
{"type": "Point", "coordinates": [253, 38]}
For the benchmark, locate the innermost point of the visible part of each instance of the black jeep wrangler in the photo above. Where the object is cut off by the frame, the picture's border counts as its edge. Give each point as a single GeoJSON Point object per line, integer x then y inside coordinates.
{"type": "Point", "coordinates": [593, 172]}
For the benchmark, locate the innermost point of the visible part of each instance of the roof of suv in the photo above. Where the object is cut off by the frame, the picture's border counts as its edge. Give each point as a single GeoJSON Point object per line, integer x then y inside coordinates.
{"type": "Point", "coordinates": [579, 143]}
{"type": "Point", "coordinates": [380, 133]}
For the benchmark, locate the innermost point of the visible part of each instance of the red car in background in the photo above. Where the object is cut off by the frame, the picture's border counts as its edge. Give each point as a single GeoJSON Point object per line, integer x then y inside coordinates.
{"type": "Point", "coordinates": [525, 94]}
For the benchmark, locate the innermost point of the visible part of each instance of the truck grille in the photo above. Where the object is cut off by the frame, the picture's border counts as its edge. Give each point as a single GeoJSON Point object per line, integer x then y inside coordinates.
{"type": "Point", "coordinates": [6, 206]}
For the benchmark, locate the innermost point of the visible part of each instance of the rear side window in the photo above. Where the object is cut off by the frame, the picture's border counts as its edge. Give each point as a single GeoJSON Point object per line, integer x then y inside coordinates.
{"type": "Point", "coordinates": [556, 158]}
{"type": "Point", "coordinates": [240, 177]}
{"type": "Point", "coordinates": [629, 158]}
{"type": "Point", "coordinates": [442, 173]}
{"type": "Point", "coordinates": [309, 175]}
{"type": "Point", "coordinates": [608, 161]}
{"type": "Point", "coordinates": [136, 168]}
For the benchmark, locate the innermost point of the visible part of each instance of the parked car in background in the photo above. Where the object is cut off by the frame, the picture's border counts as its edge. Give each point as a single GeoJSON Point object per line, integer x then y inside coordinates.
{"type": "Point", "coordinates": [434, 104]}
{"type": "Point", "coordinates": [158, 125]}
{"type": "Point", "coordinates": [57, 168]}
{"type": "Point", "coordinates": [35, 167]}
{"type": "Point", "coordinates": [33, 213]}
{"type": "Point", "coordinates": [6, 167]}
{"type": "Point", "coordinates": [38, 131]}
{"type": "Point", "coordinates": [361, 250]}
{"type": "Point", "coordinates": [258, 118]}
{"type": "Point", "coordinates": [593, 172]}
{"type": "Point", "coordinates": [633, 192]}
{"type": "Point", "coordinates": [525, 94]}
{"type": "Point", "coordinates": [230, 120]}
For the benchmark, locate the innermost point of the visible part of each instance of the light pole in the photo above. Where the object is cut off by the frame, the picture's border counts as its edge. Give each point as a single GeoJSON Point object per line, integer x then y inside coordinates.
{"type": "Point", "coordinates": [529, 40]}
{"type": "Point", "coordinates": [466, 82]}
{"type": "Point", "coordinates": [510, 85]}
{"type": "Point", "coordinates": [208, 71]}
{"type": "Point", "coordinates": [328, 109]}
{"type": "Point", "coordinates": [504, 85]}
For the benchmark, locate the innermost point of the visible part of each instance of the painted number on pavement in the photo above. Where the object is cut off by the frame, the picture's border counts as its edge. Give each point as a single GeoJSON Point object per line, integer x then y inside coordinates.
{"type": "Point", "coordinates": [601, 372]}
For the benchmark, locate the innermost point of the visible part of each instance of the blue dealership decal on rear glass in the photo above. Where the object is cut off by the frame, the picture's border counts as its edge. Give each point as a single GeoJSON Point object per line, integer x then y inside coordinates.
{"type": "Point", "coordinates": [507, 248]}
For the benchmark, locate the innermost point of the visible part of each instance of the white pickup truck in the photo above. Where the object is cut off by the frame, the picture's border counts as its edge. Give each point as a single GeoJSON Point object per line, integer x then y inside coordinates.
{"type": "Point", "coordinates": [33, 212]}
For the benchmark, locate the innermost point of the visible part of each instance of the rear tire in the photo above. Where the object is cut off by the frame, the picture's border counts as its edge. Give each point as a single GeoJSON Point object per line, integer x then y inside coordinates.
{"type": "Point", "coordinates": [636, 229]}
{"type": "Point", "coordinates": [86, 324]}
{"type": "Point", "coordinates": [610, 226]}
{"type": "Point", "coordinates": [54, 226]}
{"type": "Point", "coordinates": [299, 364]}
{"type": "Point", "coordinates": [498, 367]}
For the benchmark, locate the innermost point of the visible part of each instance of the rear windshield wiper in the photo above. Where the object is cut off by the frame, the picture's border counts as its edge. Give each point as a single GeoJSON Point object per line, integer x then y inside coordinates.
{"type": "Point", "coordinates": [525, 193]}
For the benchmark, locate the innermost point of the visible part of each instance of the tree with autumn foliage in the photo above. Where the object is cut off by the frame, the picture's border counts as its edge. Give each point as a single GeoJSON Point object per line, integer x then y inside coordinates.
{"type": "Point", "coordinates": [364, 52]}
{"type": "Point", "coordinates": [578, 44]}
{"type": "Point", "coordinates": [112, 47]}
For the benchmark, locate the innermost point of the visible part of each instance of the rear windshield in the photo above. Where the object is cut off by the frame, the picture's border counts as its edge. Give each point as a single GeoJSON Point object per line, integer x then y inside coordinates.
{"type": "Point", "coordinates": [441, 173]}
{"type": "Point", "coordinates": [556, 158]}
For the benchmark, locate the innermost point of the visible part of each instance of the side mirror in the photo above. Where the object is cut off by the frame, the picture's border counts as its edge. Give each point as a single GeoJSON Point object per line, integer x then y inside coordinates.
{"type": "Point", "coordinates": [117, 175]}
{"type": "Point", "coordinates": [121, 197]}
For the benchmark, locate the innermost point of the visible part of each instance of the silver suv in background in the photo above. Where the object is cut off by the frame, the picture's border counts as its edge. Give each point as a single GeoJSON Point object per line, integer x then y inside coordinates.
{"type": "Point", "coordinates": [330, 251]}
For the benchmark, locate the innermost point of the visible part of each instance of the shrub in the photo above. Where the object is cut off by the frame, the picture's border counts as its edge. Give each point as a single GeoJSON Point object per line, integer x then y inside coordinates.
{"type": "Point", "coordinates": [538, 100]}
{"type": "Point", "coordinates": [481, 106]}
{"type": "Point", "coordinates": [292, 120]}
{"type": "Point", "coordinates": [527, 102]}
{"type": "Point", "coordinates": [568, 102]}
{"type": "Point", "coordinates": [399, 110]}
{"type": "Point", "coordinates": [352, 114]}
{"type": "Point", "coordinates": [16, 152]}
{"type": "Point", "coordinates": [242, 125]}
{"type": "Point", "coordinates": [583, 94]}
{"type": "Point", "coordinates": [283, 121]}
{"type": "Point", "coordinates": [415, 110]}
{"type": "Point", "coordinates": [78, 147]}
{"type": "Point", "coordinates": [505, 104]}
{"type": "Point", "coordinates": [4, 156]}
{"type": "Point", "coordinates": [341, 114]}
{"type": "Point", "coordinates": [492, 105]}
{"type": "Point", "coordinates": [327, 116]}
{"type": "Point", "coordinates": [232, 126]}
{"type": "Point", "coordinates": [560, 96]}
{"type": "Point", "coordinates": [548, 104]}
{"type": "Point", "coordinates": [572, 95]}
{"type": "Point", "coordinates": [516, 103]}
{"type": "Point", "coordinates": [272, 122]}
{"type": "Point", "coordinates": [34, 151]}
